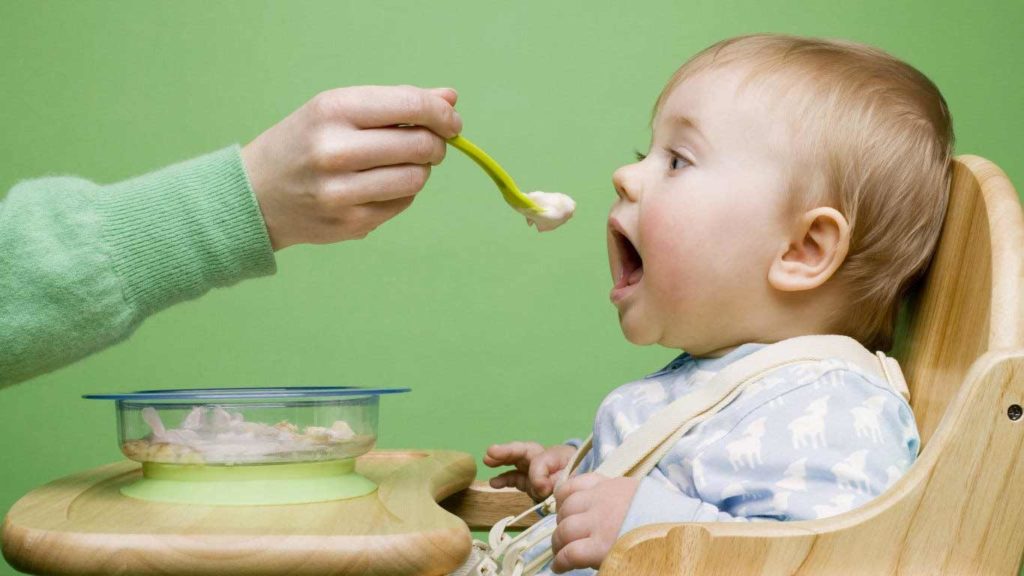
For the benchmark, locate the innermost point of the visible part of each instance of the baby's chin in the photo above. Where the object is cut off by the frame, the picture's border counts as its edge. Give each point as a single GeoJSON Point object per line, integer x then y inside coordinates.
{"type": "Point", "coordinates": [636, 331]}
{"type": "Point", "coordinates": [646, 334]}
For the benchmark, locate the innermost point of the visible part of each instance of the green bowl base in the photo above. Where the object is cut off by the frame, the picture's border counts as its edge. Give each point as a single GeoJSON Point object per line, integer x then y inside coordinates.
{"type": "Point", "coordinates": [249, 485]}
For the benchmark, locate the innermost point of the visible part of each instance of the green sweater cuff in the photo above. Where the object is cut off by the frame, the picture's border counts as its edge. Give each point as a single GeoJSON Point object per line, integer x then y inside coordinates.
{"type": "Point", "coordinates": [176, 233]}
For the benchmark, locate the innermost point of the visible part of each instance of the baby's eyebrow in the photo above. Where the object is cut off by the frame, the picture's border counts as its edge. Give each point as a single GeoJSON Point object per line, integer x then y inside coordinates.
{"type": "Point", "coordinates": [690, 125]}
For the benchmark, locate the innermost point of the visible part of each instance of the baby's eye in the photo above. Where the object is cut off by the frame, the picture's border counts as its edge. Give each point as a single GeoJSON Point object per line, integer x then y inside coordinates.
{"type": "Point", "coordinates": [639, 155]}
{"type": "Point", "coordinates": [678, 162]}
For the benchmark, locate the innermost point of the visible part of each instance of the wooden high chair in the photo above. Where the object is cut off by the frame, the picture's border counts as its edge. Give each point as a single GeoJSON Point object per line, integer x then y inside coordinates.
{"type": "Point", "coordinates": [960, 508]}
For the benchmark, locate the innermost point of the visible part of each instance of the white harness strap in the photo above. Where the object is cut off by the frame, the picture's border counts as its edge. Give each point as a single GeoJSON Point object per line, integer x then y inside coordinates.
{"type": "Point", "coordinates": [642, 449]}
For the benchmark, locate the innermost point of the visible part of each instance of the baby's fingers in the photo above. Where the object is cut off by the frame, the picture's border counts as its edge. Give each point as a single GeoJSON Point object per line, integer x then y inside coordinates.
{"type": "Point", "coordinates": [544, 472]}
{"type": "Point", "coordinates": [516, 454]}
{"type": "Point", "coordinates": [543, 478]}
{"type": "Point", "coordinates": [512, 478]}
{"type": "Point", "coordinates": [584, 553]}
{"type": "Point", "coordinates": [577, 484]}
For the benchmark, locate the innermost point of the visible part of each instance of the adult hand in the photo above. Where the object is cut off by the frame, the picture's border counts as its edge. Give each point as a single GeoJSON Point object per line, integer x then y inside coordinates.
{"type": "Point", "coordinates": [348, 160]}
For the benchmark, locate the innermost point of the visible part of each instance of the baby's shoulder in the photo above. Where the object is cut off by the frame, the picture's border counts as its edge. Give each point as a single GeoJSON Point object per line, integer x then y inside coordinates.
{"type": "Point", "coordinates": [647, 392]}
{"type": "Point", "coordinates": [847, 380]}
{"type": "Point", "coordinates": [831, 402]}
{"type": "Point", "coordinates": [827, 386]}
{"type": "Point", "coordinates": [834, 382]}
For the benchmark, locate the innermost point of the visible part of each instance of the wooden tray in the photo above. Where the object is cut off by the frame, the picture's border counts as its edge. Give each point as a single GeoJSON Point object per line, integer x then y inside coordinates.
{"type": "Point", "coordinates": [81, 524]}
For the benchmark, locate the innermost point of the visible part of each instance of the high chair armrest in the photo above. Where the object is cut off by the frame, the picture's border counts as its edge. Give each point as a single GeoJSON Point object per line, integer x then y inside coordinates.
{"type": "Point", "coordinates": [709, 548]}
{"type": "Point", "coordinates": [481, 506]}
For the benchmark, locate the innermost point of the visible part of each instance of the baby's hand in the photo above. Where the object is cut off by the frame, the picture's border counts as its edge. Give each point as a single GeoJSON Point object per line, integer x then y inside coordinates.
{"type": "Point", "coordinates": [591, 508]}
{"type": "Point", "coordinates": [536, 470]}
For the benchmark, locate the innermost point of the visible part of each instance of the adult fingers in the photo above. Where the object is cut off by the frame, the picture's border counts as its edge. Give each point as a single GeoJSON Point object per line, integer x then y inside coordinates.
{"type": "Point", "coordinates": [449, 94]}
{"type": "Point", "coordinates": [376, 213]}
{"type": "Point", "coordinates": [377, 185]}
{"type": "Point", "coordinates": [380, 106]}
{"type": "Point", "coordinates": [351, 151]}
{"type": "Point", "coordinates": [355, 222]}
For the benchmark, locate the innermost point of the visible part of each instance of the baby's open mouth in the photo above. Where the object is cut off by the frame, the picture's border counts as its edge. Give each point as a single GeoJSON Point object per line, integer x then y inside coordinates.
{"type": "Point", "coordinates": [631, 265]}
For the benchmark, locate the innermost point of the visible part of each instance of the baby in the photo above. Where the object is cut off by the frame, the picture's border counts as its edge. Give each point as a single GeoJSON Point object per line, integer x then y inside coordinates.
{"type": "Point", "coordinates": [793, 186]}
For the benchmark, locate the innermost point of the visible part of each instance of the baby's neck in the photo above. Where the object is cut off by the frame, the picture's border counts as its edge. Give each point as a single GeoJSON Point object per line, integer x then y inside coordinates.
{"type": "Point", "coordinates": [716, 353]}
{"type": "Point", "coordinates": [719, 349]}
{"type": "Point", "coordinates": [780, 318]}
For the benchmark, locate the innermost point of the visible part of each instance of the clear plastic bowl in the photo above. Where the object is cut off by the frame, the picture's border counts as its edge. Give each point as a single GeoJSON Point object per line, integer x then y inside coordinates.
{"type": "Point", "coordinates": [246, 426]}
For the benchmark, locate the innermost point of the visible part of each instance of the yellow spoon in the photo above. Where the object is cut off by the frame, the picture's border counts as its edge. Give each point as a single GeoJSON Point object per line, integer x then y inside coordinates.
{"type": "Point", "coordinates": [513, 196]}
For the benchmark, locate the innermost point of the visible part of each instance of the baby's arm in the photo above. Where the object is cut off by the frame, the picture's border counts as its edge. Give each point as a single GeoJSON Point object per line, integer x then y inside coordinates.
{"type": "Point", "coordinates": [817, 450]}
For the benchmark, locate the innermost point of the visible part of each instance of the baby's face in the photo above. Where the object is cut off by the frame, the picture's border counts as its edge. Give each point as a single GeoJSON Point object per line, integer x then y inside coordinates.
{"type": "Point", "coordinates": [700, 219]}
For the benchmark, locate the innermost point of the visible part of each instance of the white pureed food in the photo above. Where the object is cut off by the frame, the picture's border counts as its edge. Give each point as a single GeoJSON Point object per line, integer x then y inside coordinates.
{"type": "Point", "coordinates": [212, 435]}
{"type": "Point", "coordinates": [556, 209]}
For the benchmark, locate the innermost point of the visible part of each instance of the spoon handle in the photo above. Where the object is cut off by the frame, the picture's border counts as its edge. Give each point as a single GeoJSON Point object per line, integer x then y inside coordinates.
{"type": "Point", "coordinates": [513, 196]}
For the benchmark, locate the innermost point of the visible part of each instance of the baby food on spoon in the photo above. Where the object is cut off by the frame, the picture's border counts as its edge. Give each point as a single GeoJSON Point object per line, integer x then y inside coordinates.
{"type": "Point", "coordinates": [556, 209]}
{"type": "Point", "coordinates": [545, 210]}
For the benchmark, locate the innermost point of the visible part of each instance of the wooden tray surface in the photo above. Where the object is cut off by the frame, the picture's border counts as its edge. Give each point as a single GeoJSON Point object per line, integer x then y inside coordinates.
{"type": "Point", "coordinates": [82, 524]}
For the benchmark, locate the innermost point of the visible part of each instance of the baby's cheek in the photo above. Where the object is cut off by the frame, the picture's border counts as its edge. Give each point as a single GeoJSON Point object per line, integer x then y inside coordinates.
{"type": "Point", "coordinates": [674, 249]}
{"type": "Point", "coordinates": [673, 275]}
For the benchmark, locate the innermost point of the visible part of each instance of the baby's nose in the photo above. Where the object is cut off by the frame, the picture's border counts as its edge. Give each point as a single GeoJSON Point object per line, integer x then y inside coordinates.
{"type": "Point", "coordinates": [625, 183]}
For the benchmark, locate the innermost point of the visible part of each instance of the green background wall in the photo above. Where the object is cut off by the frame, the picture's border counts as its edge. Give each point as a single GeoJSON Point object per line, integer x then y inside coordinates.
{"type": "Point", "coordinates": [502, 333]}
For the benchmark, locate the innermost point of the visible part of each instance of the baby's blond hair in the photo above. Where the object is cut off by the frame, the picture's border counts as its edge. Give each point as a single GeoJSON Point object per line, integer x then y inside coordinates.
{"type": "Point", "coordinates": [874, 140]}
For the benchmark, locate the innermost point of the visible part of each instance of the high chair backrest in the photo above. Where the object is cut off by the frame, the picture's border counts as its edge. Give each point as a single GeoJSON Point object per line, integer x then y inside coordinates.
{"type": "Point", "coordinates": [970, 300]}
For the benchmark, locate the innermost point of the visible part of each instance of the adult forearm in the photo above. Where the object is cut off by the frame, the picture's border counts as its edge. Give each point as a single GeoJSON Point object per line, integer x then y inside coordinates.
{"type": "Point", "coordinates": [81, 265]}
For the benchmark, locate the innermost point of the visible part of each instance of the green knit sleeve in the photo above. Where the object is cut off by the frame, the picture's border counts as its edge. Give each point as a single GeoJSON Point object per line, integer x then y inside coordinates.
{"type": "Point", "coordinates": [81, 265]}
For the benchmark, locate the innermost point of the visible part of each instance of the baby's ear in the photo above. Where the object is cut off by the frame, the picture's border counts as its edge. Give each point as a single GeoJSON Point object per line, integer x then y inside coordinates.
{"type": "Point", "coordinates": [815, 250]}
